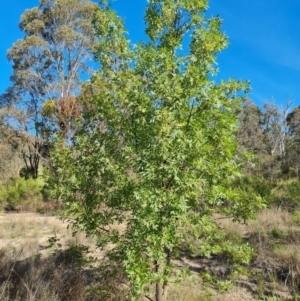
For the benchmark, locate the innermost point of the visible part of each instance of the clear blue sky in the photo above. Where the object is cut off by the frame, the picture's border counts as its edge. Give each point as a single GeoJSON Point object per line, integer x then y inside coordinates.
{"type": "Point", "coordinates": [264, 40]}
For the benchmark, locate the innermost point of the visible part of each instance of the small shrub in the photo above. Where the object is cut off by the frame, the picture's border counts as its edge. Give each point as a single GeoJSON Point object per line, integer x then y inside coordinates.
{"type": "Point", "coordinates": [287, 195]}
{"type": "Point", "coordinates": [277, 233]}
{"type": "Point", "coordinates": [20, 193]}
{"type": "Point", "coordinates": [293, 192]}
{"type": "Point", "coordinates": [296, 217]}
{"type": "Point", "coordinates": [255, 186]}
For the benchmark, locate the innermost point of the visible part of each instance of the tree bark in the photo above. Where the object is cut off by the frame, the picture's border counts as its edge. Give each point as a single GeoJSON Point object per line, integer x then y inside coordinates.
{"type": "Point", "coordinates": [161, 289]}
{"type": "Point", "coordinates": [161, 292]}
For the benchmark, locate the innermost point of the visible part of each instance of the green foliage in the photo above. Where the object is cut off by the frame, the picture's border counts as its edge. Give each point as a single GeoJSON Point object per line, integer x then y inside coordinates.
{"type": "Point", "coordinates": [20, 192]}
{"type": "Point", "coordinates": [251, 186]}
{"type": "Point", "coordinates": [157, 151]}
{"type": "Point", "coordinates": [287, 194]}
{"type": "Point", "coordinates": [48, 108]}
{"type": "Point", "coordinates": [293, 192]}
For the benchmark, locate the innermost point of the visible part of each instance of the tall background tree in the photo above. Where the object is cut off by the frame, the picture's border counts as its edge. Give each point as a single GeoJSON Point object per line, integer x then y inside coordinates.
{"type": "Point", "coordinates": [49, 64]}
{"type": "Point", "coordinates": [292, 164]}
{"type": "Point", "coordinates": [10, 142]}
{"type": "Point", "coordinates": [265, 133]}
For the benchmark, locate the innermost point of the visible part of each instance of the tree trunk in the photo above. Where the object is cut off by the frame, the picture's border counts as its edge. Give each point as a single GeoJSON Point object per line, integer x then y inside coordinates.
{"type": "Point", "coordinates": [161, 289]}
{"type": "Point", "coordinates": [159, 294]}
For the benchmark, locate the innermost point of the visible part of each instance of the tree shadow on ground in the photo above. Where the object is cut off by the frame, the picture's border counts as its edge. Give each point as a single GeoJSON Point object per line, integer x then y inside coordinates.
{"type": "Point", "coordinates": [60, 277]}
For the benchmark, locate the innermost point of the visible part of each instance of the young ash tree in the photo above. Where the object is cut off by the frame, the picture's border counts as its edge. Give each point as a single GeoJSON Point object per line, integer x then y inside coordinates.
{"type": "Point", "coordinates": [48, 65]}
{"type": "Point", "coordinates": [157, 150]}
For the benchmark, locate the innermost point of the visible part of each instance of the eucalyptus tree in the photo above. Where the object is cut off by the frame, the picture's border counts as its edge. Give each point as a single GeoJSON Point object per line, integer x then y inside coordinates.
{"type": "Point", "coordinates": [49, 63]}
{"type": "Point", "coordinates": [157, 151]}
{"type": "Point", "coordinates": [275, 130]}
{"type": "Point", "coordinates": [250, 137]}
{"type": "Point", "coordinates": [293, 146]}
{"type": "Point", "coordinates": [10, 142]}
{"type": "Point", "coordinates": [274, 120]}
{"type": "Point", "coordinates": [250, 131]}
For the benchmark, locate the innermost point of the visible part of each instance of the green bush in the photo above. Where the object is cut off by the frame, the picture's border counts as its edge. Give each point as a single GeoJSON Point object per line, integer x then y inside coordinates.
{"type": "Point", "coordinates": [255, 186]}
{"type": "Point", "coordinates": [20, 192]}
{"type": "Point", "coordinates": [293, 191]}
{"type": "Point", "coordinates": [287, 194]}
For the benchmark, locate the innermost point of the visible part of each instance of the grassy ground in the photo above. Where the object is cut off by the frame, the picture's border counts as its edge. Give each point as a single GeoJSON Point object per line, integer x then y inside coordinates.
{"type": "Point", "coordinates": [34, 269]}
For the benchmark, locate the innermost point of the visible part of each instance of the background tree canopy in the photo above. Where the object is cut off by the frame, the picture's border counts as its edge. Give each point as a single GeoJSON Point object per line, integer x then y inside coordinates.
{"type": "Point", "coordinates": [48, 66]}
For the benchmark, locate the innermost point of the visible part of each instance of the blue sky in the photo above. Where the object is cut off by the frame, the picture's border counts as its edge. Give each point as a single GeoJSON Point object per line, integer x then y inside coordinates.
{"type": "Point", "coordinates": [264, 41]}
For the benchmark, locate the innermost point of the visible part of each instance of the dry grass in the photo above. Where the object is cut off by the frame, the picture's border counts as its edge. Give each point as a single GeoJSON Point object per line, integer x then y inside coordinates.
{"type": "Point", "coordinates": [30, 233]}
{"type": "Point", "coordinates": [267, 220]}
{"type": "Point", "coordinates": [275, 269]}
{"type": "Point", "coordinates": [31, 272]}
{"type": "Point", "coordinates": [276, 238]}
{"type": "Point", "coordinates": [270, 218]}
{"type": "Point", "coordinates": [289, 257]}
{"type": "Point", "coordinates": [56, 278]}
{"type": "Point", "coordinates": [194, 290]}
